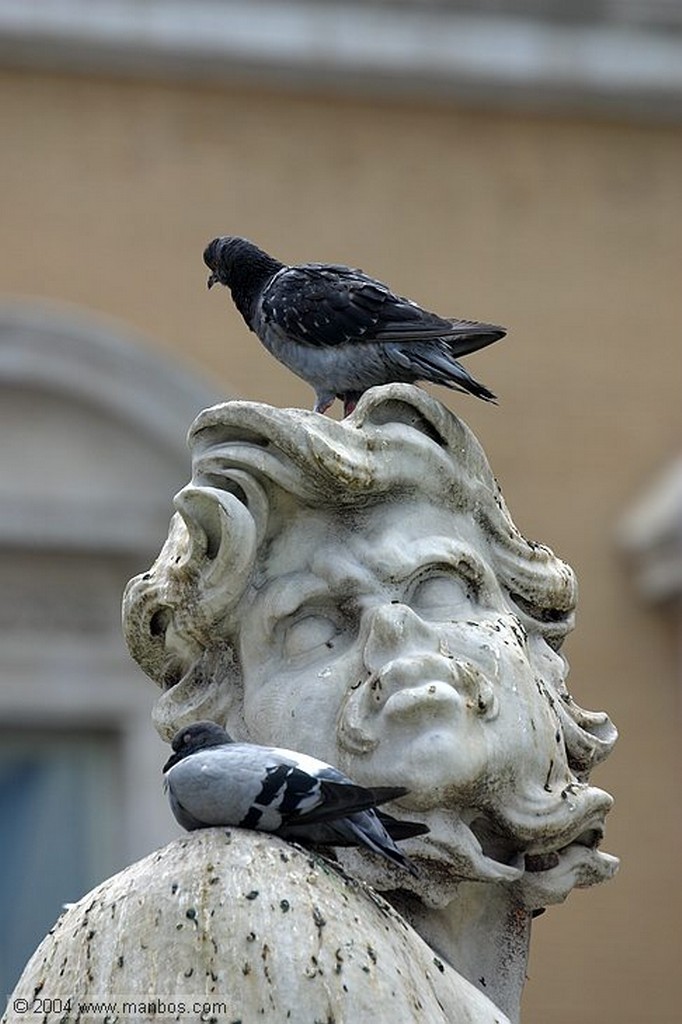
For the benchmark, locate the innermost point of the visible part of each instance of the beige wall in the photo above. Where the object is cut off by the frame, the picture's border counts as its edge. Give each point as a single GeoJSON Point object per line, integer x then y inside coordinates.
{"type": "Point", "coordinates": [567, 231]}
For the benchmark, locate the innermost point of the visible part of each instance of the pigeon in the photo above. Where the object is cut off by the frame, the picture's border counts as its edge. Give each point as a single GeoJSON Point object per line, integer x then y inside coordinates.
{"type": "Point", "coordinates": [341, 330]}
{"type": "Point", "coordinates": [213, 780]}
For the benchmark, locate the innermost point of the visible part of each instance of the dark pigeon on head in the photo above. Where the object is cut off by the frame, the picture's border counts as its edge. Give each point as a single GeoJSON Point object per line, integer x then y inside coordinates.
{"type": "Point", "coordinates": [341, 330]}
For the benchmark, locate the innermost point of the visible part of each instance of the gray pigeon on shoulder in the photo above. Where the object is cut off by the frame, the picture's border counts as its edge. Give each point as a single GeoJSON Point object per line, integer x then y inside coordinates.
{"type": "Point", "coordinates": [211, 780]}
{"type": "Point", "coordinates": [341, 330]}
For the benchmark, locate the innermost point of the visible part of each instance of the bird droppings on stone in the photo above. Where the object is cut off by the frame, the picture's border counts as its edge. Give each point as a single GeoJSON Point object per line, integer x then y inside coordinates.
{"type": "Point", "coordinates": [313, 968]}
{"type": "Point", "coordinates": [319, 920]}
{"type": "Point", "coordinates": [333, 965]}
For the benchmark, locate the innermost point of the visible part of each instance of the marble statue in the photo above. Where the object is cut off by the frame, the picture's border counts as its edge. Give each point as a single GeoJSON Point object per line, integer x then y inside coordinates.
{"type": "Point", "coordinates": [357, 590]}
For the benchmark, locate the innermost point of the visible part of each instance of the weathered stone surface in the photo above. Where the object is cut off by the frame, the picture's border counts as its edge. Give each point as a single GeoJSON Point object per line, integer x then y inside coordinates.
{"type": "Point", "coordinates": [236, 925]}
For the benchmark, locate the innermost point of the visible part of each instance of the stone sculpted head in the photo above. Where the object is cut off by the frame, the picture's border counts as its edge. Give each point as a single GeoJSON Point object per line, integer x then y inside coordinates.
{"type": "Point", "coordinates": [358, 590]}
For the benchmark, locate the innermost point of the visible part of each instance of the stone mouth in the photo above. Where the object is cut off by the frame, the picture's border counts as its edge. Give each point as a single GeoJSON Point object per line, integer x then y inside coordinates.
{"type": "Point", "coordinates": [471, 846]}
{"type": "Point", "coordinates": [590, 838]}
{"type": "Point", "coordinates": [494, 845]}
{"type": "Point", "coordinates": [503, 850]}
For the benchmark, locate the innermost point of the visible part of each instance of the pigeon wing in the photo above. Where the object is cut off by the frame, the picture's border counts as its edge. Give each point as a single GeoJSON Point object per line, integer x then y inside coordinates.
{"type": "Point", "coordinates": [323, 305]}
{"type": "Point", "coordinates": [328, 800]}
{"type": "Point", "coordinates": [249, 786]}
{"type": "Point", "coordinates": [307, 790]}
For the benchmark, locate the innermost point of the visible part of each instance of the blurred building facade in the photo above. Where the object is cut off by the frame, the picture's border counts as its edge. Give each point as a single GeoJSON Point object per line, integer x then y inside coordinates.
{"type": "Point", "coordinates": [517, 162]}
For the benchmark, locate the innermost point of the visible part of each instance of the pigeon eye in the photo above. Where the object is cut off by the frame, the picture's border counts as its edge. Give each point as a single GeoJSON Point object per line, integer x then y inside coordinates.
{"type": "Point", "coordinates": [308, 634]}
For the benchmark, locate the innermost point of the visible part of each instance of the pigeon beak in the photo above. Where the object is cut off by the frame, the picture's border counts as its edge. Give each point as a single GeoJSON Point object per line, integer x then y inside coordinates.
{"type": "Point", "coordinates": [212, 279]}
{"type": "Point", "coordinates": [172, 760]}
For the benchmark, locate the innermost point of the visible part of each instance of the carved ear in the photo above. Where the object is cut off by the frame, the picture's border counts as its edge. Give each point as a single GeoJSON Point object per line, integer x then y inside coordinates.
{"type": "Point", "coordinates": [223, 537]}
{"type": "Point", "coordinates": [176, 611]}
{"type": "Point", "coordinates": [216, 524]}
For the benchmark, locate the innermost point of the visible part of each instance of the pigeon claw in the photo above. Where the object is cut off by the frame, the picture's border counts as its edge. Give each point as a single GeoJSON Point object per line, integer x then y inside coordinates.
{"type": "Point", "coordinates": [323, 402]}
{"type": "Point", "coordinates": [349, 403]}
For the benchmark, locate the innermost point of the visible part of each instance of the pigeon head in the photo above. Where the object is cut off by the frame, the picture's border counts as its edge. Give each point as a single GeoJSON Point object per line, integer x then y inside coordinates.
{"type": "Point", "coordinates": [195, 737]}
{"type": "Point", "coordinates": [219, 256]}
{"type": "Point", "coordinates": [243, 268]}
{"type": "Point", "coordinates": [231, 259]}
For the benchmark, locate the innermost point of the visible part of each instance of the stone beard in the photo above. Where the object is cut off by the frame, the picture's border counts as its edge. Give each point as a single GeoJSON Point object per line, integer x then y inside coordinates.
{"type": "Point", "coordinates": [357, 590]}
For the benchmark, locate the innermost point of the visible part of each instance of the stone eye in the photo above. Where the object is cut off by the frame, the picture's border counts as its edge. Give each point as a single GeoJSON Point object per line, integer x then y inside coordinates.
{"type": "Point", "coordinates": [441, 595]}
{"type": "Point", "coordinates": [309, 633]}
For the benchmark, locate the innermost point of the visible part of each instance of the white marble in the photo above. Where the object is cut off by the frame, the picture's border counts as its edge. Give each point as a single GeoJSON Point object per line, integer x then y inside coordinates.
{"type": "Point", "coordinates": [357, 590]}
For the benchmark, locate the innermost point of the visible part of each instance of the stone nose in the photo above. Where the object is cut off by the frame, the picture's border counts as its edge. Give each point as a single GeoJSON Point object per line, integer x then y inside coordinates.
{"type": "Point", "coordinates": [394, 632]}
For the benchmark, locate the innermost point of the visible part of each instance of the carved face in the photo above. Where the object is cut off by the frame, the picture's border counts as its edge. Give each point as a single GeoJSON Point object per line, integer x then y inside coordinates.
{"type": "Point", "coordinates": [392, 651]}
{"type": "Point", "coordinates": [383, 638]}
{"type": "Point", "coordinates": [387, 646]}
